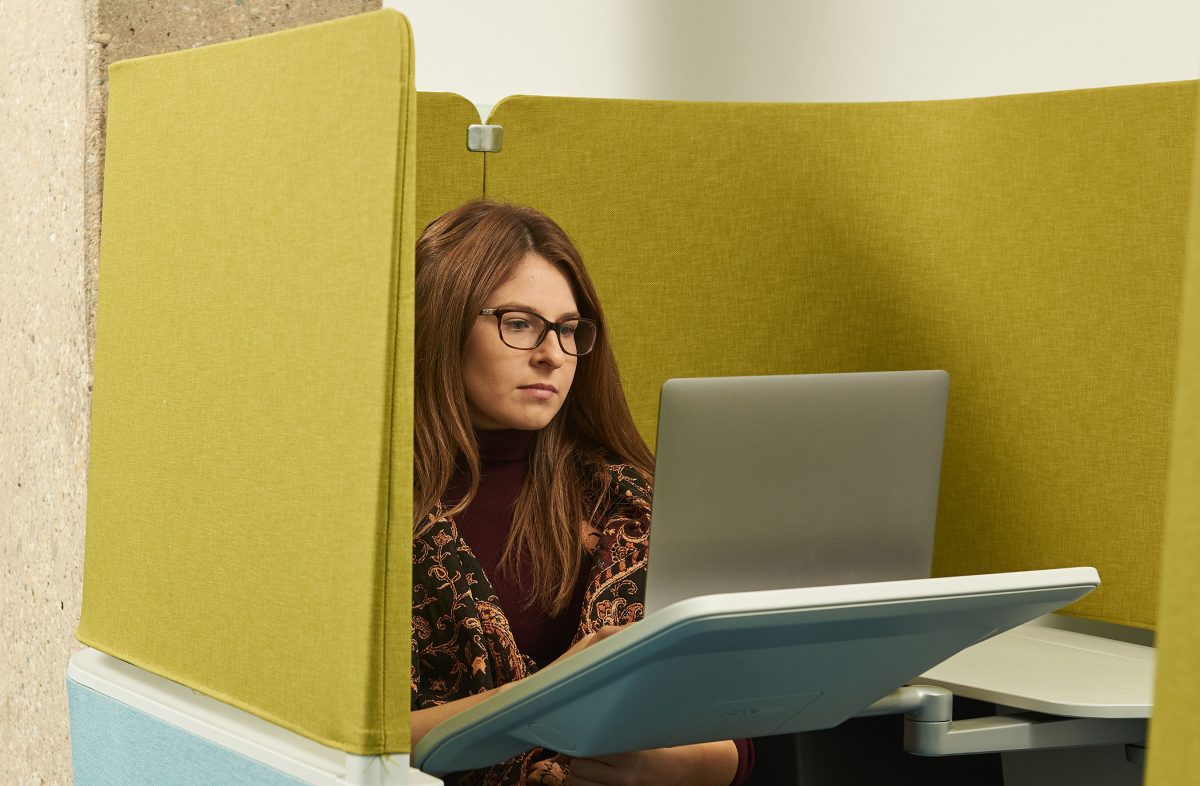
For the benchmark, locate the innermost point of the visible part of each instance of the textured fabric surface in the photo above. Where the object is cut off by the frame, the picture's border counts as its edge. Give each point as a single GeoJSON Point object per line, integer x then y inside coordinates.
{"type": "Point", "coordinates": [1175, 733]}
{"type": "Point", "coordinates": [1030, 245]}
{"type": "Point", "coordinates": [447, 173]}
{"type": "Point", "coordinates": [113, 744]}
{"type": "Point", "coordinates": [251, 453]}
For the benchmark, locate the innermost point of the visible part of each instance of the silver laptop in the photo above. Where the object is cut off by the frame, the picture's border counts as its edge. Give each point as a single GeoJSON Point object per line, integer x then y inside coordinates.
{"type": "Point", "coordinates": [775, 482]}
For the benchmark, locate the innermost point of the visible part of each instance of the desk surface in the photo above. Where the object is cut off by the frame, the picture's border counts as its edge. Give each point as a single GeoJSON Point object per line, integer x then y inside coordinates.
{"type": "Point", "coordinates": [1042, 667]}
{"type": "Point", "coordinates": [746, 664]}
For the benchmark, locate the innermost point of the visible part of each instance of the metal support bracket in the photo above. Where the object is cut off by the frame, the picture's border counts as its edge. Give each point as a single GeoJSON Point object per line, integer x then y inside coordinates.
{"type": "Point", "coordinates": [930, 729]}
{"type": "Point", "coordinates": [485, 138]}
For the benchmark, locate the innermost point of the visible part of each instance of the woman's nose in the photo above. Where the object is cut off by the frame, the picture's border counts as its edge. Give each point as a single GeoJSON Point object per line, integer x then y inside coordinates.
{"type": "Point", "coordinates": [550, 351]}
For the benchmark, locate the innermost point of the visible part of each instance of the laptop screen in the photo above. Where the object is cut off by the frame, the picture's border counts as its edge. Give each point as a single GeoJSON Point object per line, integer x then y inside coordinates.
{"type": "Point", "coordinates": [774, 482]}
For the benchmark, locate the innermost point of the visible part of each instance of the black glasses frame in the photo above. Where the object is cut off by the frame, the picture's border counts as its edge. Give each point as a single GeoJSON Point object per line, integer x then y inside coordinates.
{"type": "Point", "coordinates": [557, 327]}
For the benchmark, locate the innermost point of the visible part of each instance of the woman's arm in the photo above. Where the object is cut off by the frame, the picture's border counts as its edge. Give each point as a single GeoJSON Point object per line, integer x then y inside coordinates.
{"type": "Point", "coordinates": [704, 764]}
{"type": "Point", "coordinates": [421, 721]}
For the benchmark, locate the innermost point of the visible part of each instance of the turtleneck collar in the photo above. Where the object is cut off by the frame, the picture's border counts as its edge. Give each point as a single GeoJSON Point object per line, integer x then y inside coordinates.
{"type": "Point", "coordinates": [503, 445]}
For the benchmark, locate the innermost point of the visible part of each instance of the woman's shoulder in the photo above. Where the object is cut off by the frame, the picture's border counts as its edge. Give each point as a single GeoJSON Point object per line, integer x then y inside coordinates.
{"type": "Point", "coordinates": [436, 526]}
{"type": "Point", "coordinates": [623, 480]}
{"type": "Point", "coordinates": [622, 530]}
{"type": "Point", "coordinates": [626, 491]}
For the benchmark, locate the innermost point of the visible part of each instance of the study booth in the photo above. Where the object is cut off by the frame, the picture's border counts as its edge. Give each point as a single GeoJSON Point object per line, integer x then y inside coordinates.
{"type": "Point", "coordinates": [247, 575]}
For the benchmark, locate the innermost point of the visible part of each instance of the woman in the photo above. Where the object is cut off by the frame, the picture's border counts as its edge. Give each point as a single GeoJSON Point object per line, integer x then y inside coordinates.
{"type": "Point", "coordinates": [532, 487]}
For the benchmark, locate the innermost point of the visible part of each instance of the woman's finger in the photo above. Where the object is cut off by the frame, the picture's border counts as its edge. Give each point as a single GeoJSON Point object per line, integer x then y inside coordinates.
{"type": "Point", "coordinates": [591, 769]}
{"type": "Point", "coordinates": [573, 780]}
{"type": "Point", "coordinates": [597, 635]}
{"type": "Point", "coordinates": [584, 772]}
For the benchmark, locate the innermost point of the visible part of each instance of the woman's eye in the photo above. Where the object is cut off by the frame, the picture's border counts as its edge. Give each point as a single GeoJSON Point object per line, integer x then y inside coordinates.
{"type": "Point", "coordinates": [566, 331]}
{"type": "Point", "coordinates": [516, 325]}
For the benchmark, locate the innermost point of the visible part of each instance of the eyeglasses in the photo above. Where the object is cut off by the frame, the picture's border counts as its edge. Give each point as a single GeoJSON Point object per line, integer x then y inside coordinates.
{"type": "Point", "coordinates": [527, 330]}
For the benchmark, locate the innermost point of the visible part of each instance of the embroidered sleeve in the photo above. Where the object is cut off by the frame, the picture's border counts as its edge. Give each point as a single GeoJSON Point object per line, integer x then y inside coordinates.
{"type": "Point", "coordinates": [462, 644]}
{"type": "Point", "coordinates": [445, 630]}
{"type": "Point", "coordinates": [461, 641]}
{"type": "Point", "coordinates": [617, 591]}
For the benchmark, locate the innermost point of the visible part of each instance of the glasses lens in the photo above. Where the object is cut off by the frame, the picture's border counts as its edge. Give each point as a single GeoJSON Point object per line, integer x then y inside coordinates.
{"type": "Point", "coordinates": [520, 330]}
{"type": "Point", "coordinates": [578, 336]}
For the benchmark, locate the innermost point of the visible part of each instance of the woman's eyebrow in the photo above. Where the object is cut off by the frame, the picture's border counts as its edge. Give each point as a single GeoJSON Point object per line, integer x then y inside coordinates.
{"type": "Point", "coordinates": [526, 307]}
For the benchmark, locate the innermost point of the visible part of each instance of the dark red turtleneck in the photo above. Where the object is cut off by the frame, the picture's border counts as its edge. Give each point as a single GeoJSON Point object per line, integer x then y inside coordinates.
{"type": "Point", "coordinates": [485, 524]}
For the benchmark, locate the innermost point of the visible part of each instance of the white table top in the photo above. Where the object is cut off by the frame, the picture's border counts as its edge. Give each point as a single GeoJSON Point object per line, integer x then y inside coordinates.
{"type": "Point", "coordinates": [1041, 666]}
{"type": "Point", "coordinates": [744, 664]}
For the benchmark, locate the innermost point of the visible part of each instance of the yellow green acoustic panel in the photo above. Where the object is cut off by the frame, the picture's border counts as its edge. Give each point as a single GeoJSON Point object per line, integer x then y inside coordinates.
{"type": "Point", "coordinates": [448, 174]}
{"type": "Point", "coordinates": [1175, 731]}
{"type": "Point", "coordinates": [249, 490]}
{"type": "Point", "coordinates": [1030, 245]}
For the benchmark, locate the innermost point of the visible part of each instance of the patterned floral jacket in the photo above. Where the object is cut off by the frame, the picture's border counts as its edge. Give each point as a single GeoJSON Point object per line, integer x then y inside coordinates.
{"type": "Point", "coordinates": [462, 643]}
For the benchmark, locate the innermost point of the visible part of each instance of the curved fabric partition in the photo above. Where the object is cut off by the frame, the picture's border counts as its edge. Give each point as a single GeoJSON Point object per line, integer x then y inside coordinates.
{"type": "Point", "coordinates": [447, 173]}
{"type": "Point", "coordinates": [249, 491]}
{"type": "Point", "coordinates": [1030, 245]}
{"type": "Point", "coordinates": [1174, 756]}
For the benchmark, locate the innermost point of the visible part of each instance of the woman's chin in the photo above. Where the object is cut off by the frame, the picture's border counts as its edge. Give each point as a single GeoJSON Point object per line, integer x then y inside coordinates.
{"type": "Point", "coordinates": [536, 424]}
{"type": "Point", "coordinates": [534, 421]}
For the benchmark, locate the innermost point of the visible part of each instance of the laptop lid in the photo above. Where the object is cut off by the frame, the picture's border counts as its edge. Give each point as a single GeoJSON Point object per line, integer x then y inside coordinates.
{"type": "Point", "coordinates": [774, 482]}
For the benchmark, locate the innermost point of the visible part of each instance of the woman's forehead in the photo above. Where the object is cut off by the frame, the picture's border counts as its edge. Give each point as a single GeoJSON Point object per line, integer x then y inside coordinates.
{"type": "Point", "coordinates": [537, 285]}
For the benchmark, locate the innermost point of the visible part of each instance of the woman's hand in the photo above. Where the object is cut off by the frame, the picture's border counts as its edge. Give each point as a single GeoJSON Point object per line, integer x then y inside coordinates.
{"type": "Point", "coordinates": [599, 635]}
{"type": "Point", "coordinates": [421, 721]}
{"type": "Point", "coordinates": [706, 764]}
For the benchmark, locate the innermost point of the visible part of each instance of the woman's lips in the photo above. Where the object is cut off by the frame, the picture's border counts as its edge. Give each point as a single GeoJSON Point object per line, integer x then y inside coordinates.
{"type": "Point", "coordinates": [540, 392]}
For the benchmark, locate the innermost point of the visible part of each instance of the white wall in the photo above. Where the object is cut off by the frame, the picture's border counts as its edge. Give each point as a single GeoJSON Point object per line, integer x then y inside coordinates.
{"type": "Point", "coordinates": [797, 50]}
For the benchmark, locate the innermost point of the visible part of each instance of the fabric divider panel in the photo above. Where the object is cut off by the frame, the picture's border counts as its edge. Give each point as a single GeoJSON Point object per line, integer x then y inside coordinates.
{"type": "Point", "coordinates": [113, 744]}
{"type": "Point", "coordinates": [249, 481]}
{"type": "Point", "coordinates": [1031, 245]}
{"type": "Point", "coordinates": [447, 173]}
{"type": "Point", "coordinates": [1174, 757]}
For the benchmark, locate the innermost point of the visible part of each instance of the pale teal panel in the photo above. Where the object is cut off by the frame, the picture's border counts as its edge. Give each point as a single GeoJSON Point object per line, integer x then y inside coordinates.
{"type": "Point", "coordinates": [113, 744]}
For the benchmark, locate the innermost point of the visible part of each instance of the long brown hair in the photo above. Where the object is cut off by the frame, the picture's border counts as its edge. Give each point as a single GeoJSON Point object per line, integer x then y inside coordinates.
{"type": "Point", "coordinates": [462, 257]}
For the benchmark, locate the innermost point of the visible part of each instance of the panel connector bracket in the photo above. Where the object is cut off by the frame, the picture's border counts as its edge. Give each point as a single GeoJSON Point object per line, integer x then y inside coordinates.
{"type": "Point", "coordinates": [930, 729]}
{"type": "Point", "coordinates": [485, 138]}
